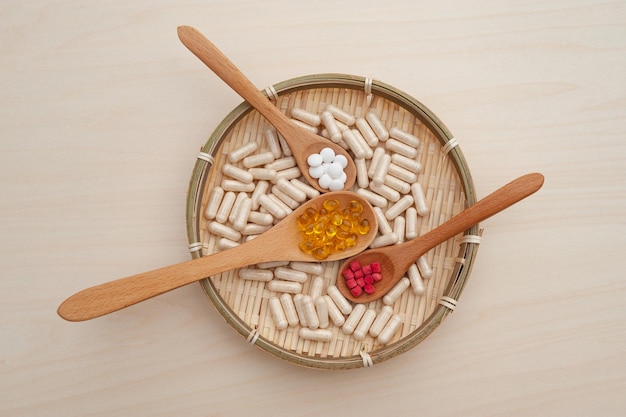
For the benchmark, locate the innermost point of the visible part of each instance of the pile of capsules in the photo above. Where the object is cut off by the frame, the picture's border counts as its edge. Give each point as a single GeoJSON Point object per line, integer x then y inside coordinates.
{"type": "Point", "coordinates": [261, 185]}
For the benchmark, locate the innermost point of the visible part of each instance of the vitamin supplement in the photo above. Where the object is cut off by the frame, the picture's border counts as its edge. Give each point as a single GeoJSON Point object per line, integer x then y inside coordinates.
{"type": "Point", "coordinates": [291, 190]}
{"type": "Point", "coordinates": [284, 146]}
{"type": "Point", "coordinates": [367, 132]}
{"type": "Point", "coordinates": [308, 190]}
{"type": "Point", "coordinates": [374, 199]}
{"type": "Point", "coordinates": [263, 219]}
{"type": "Point", "coordinates": [215, 199]}
{"type": "Point", "coordinates": [254, 229]}
{"type": "Point", "coordinates": [222, 230]}
{"type": "Point", "coordinates": [334, 313]}
{"type": "Point", "coordinates": [308, 309]}
{"type": "Point", "coordinates": [364, 325]}
{"type": "Point", "coordinates": [389, 330]}
{"type": "Point", "coordinates": [406, 163]}
{"type": "Point", "coordinates": [320, 335]}
{"type": "Point", "coordinates": [241, 217]}
{"type": "Point", "coordinates": [400, 172]}
{"type": "Point", "coordinates": [394, 145]}
{"type": "Point", "coordinates": [381, 319]}
{"type": "Point", "coordinates": [404, 137]}
{"type": "Point", "coordinates": [411, 223]}
{"type": "Point", "coordinates": [361, 279]}
{"type": "Point", "coordinates": [237, 186]}
{"type": "Point", "coordinates": [328, 120]}
{"type": "Point", "coordinates": [271, 206]}
{"type": "Point", "coordinates": [263, 174]}
{"type": "Point", "coordinates": [273, 264]}
{"type": "Point", "coordinates": [425, 269]}
{"type": "Point", "coordinates": [223, 244]}
{"type": "Point", "coordinates": [341, 115]}
{"type": "Point", "coordinates": [290, 309]}
{"type": "Point", "coordinates": [378, 153]}
{"type": "Point", "coordinates": [258, 159]}
{"type": "Point", "coordinates": [399, 225]}
{"type": "Point", "coordinates": [340, 301]}
{"type": "Point", "coordinates": [237, 173]}
{"type": "Point", "coordinates": [377, 126]}
{"type": "Point", "coordinates": [236, 205]}
{"type": "Point", "coordinates": [362, 179]}
{"type": "Point", "coordinates": [227, 204]}
{"type": "Point", "coordinates": [322, 311]}
{"type": "Point", "coordinates": [317, 285]}
{"type": "Point", "coordinates": [297, 301]}
{"type": "Point", "coordinates": [243, 151]}
{"type": "Point", "coordinates": [380, 172]}
{"type": "Point", "coordinates": [396, 291]}
{"type": "Point", "coordinates": [255, 274]}
{"type": "Point", "coordinates": [284, 286]}
{"type": "Point", "coordinates": [399, 207]}
{"type": "Point", "coordinates": [420, 199]}
{"type": "Point", "coordinates": [261, 189]}
{"type": "Point", "coordinates": [280, 203]}
{"type": "Point", "coordinates": [314, 160]}
{"type": "Point", "coordinates": [417, 285]}
{"type": "Point", "coordinates": [278, 314]}
{"type": "Point", "coordinates": [289, 173]}
{"type": "Point", "coordinates": [383, 225]}
{"type": "Point", "coordinates": [309, 118]}
{"type": "Point", "coordinates": [397, 184]}
{"type": "Point", "coordinates": [289, 274]}
{"type": "Point", "coordinates": [312, 268]}
{"type": "Point", "coordinates": [283, 197]}
{"type": "Point", "coordinates": [354, 144]}
{"type": "Point", "coordinates": [305, 126]}
{"type": "Point", "coordinates": [384, 240]}
{"type": "Point", "coordinates": [281, 164]}
{"type": "Point", "coordinates": [273, 143]}
{"type": "Point", "coordinates": [385, 191]}
{"type": "Point", "coordinates": [369, 152]}
{"type": "Point", "coordinates": [353, 319]}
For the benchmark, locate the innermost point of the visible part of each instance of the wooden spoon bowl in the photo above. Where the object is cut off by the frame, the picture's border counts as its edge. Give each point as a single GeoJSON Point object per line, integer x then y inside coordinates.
{"type": "Point", "coordinates": [302, 142]}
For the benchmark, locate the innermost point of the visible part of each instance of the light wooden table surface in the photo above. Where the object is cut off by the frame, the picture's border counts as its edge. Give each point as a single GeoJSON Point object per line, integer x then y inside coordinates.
{"type": "Point", "coordinates": [103, 111]}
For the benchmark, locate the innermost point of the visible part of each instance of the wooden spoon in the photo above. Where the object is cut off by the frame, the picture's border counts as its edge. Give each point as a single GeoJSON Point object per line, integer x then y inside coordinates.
{"type": "Point", "coordinates": [395, 260]}
{"type": "Point", "coordinates": [301, 142]}
{"type": "Point", "coordinates": [280, 243]}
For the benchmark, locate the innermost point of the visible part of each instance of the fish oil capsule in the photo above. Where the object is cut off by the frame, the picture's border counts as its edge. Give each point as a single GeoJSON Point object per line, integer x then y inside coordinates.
{"type": "Point", "coordinates": [282, 164]}
{"type": "Point", "coordinates": [384, 240]}
{"type": "Point", "coordinates": [309, 118]}
{"type": "Point", "coordinates": [317, 285]}
{"type": "Point", "coordinates": [399, 207]}
{"type": "Point", "coordinates": [284, 286]}
{"type": "Point", "coordinates": [312, 268]}
{"type": "Point", "coordinates": [380, 172]}
{"type": "Point", "coordinates": [394, 145]}
{"type": "Point", "coordinates": [258, 159]}
{"type": "Point", "coordinates": [383, 225]}
{"type": "Point", "coordinates": [262, 219]}
{"type": "Point", "coordinates": [362, 179]}
{"type": "Point", "coordinates": [396, 291]}
{"type": "Point", "coordinates": [322, 311]}
{"type": "Point", "coordinates": [260, 189]}
{"type": "Point", "coordinates": [420, 199]}
{"type": "Point", "coordinates": [291, 190]}
{"type": "Point", "coordinates": [364, 325]}
{"type": "Point", "coordinates": [389, 330]}
{"type": "Point", "coordinates": [320, 335]}
{"type": "Point", "coordinates": [340, 301]}
{"type": "Point", "coordinates": [379, 323]}
{"type": "Point", "coordinates": [397, 184]}
{"type": "Point", "coordinates": [404, 137]}
{"type": "Point", "coordinates": [377, 126]}
{"type": "Point", "coordinates": [223, 244]}
{"type": "Point", "coordinates": [305, 126]}
{"type": "Point", "coordinates": [367, 132]}
{"type": "Point", "coordinates": [374, 199]}
{"type": "Point", "coordinates": [290, 309]}
{"type": "Point", "coordinates": [237, 173]}
{"type": "Point", "coordinates": [256, 274]}
{"type": "Point", "coordinates": [214, 203]}
{"type": "Point", "coordinates": [328, 120]}
{"type": "Point", "coordinates": [243, 151]}
{"type": "Point", "coordinates": [353, 319]}
{"type": "Point", "coordinates": [340, 114]}
{"type": "Point", "coordinates": [237, 186]}
{"type": "Point", "coordinates": [333, 312]}
{"type": "Point", "coordinates": [241, 218]}
{"type": "Point", "coordinates": [289, 274]}
{"type": "Point", "coordinates": [355, 146]}
{"type": "Point", "coordinates": [272, 143]}
{"type": "Point", "coordinates": [406, 163]}
{"type": "Point", "coordinates": [385, 191]}
{"type": "Point", "coordinates": [411, 223]}
{"type": "Point", "coordinates": [222, 230]}
{"type": "Point", "coordinates": [271, 206]}
{"type": "Point", "coordinates": [401, 173]}
{"type": "Point", "coordinates": [425, 269]}
{"type": "Point", "coordinates": [378, 154]}
{"type": "Point", "coordinates": [417, 285]}
{"type": "Point", "coordinates": [227, 204]}
{"type": "Point", "coordinates": [278, 314]}
{"type": "Point", "coordinates": [254, 229]}
{"type": "Point", "coordinates": [308, 308]}
{"type": "Point", "coordinates": [306, 188]}
{"type": "Point", "coordinates": [297, 301]}
{"type": "Point", "coordinates": [399, 225]}
{"type": "Point", "coordinates": [263, 174]}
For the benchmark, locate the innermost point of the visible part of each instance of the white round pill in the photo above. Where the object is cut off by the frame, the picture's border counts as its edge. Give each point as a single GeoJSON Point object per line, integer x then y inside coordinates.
{"type": "Point", "coordinates": [327, 155]}
{"type": "Point", "coordinates": [325, 181]}
{"type": "Point", "coordinates": [316, 172]}
{"type": "Point", "coordinates": [343, 177]}
{"type": "Point", "coordinates": [336, 185]}
{"type": "Point", "coordinates": [334, 170]}
{"type": "Point", "coordinates": [314, 160]}
{"type": "Point", "coordinates": [341, 160]}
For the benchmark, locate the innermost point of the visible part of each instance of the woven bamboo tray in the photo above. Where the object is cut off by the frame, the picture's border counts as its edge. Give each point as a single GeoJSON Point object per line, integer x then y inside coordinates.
{"type": "Point", "coordinates": [448, 187]}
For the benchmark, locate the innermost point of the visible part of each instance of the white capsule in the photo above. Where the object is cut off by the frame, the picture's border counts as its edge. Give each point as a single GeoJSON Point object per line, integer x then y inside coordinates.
{"type": "Point", "coordinates": [262, 219]}
{"type": "Point", "coordinates": [223, 244]}
{"type": "Point", "coordinates": [227, 204]}
{"type": "Point", "coordinates": [420, 199]}
{"type": "Point", "coordinates": [309, 118]}
{"type": "Point", "coordinates": [406, 163]}
{"type": "Point", "coordinates": [254, 229]}
{"type": "Point", "coordinates": [377, 126]}
{"type": "Point", "coordinates": [380, 172]}
{"type": "Point", "coordinates": [237, 186]}
{"type": "Point", "coordinates": [284, 286]}
{"type": "Point", "coordinates": [417, 285]}
{"type": "Point", "coordinates": [312, 268]}
{"type": "Point", "coordinates": [362, 179]}
{"type": "Point", "coordinates": [284, 146]}
{"type": "Point", "coordinates": [308, 190]}
{"type": "Point", "coordinates": [258, 159]}
{"type": "Point", "coordinates": [334, 313]}
{"type": "Point", "coordinates": [397, 184]}
{"type": "Point", "coordinates": [236, 205]}
{"type": "Point", "coordinates": [399, 207]}
{"type": "Point", "coordinates": [383, 225]}
{"type": "Point", "coordinates": [308, 308]}
{"type": "Point", "coordinates": [378, 154]}
{"type": "Point", "coordinates": [282, 164]}
{"type": "Point", "coordinates": [263, 174]}
{"type": "Point", "coordinates": [272, 264]}
{"type": "Point", "coordinates": [404, 137]}
{"type": "Point", "coordinates": [278, 314]}
{"type": "Point", "coordinates": [289, 173]}
{"type": "Point", "coordinates": [241, 217]}
{"type": "Point", "coordinates": [256, 274]}
{"type": "Point", "coordinates": [384, 240]}
{"type": "Point", "coordinates": [374, 199]}
{"type": "Point", "coordinates": [289, 274]}
{"type": "Point", "coordinates": [385, 191]}
{"type": "Point", "coordinates": [273, 143]}
{"type": "Point", "coordinates": [353, 143]}
{"type": "Point", "coordinates": [396, 291]}
{"type": "Point", "coordinates": [215, 199]}
{"type": "Point", "coordinates": [260, 189]}
{"type": "Point", "coordinates": [381, 319]}
{"type": "Point", "coordinates": [399, 225]}
{"type": "Point", "coordinates": [401, 173]}
{"type": "Point", "coordinates": [411, 223]}
{"type": "Point", "coordinates": [317, 285]}
{"type": "Point", "coordinates": [290, 309]}
{"type": "Point", "coordinates": [280, 203]}
{"type": "Point", "coordinates": [389, 330]}
{"type": "Point", "coordinates": [367, 132]}
{"type": "Point", "coordinates": [364, 325]}
{"type": "Point", "coordinates": [353, 319]}
{"type": "Point", "coordinates": [314, 160]}
{"type": "Point", "coordinates": [331, 126]}
{"type": "Point", "coordinates": [305, 126]}
{"type": "Point", "coordinates": [340, 114]}
{"type": "Point", "coordinates": [237, 173]}
{"type": "Point", "coordinates": [290, 202]}
{"type": "Point", "coordinates": [272, 206]}
{"type": "Point", "coordinates": [340, 301]}
{"type": "Point", "coordinates": [394, 145]}
{"type": "Point", "coordinates": [321, 309]}
{"type": "Point", "coordinates": [297, 301]}
{"type": "Point", "coordinates": [425, 270]}
{"type": "Point", "coordinates": [291, 190]}
{"type": "Point", "coordinates": [243, 151]}
{"type": "Point", "coordinates": [222, 230]}
{"type": "Point", "coordinates": [369, 152]}
{"type": "Point", "coordinates": [320, 335]}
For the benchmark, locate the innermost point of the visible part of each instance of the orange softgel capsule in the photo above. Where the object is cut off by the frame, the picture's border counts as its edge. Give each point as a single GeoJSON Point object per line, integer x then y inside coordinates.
{"type": "Point", "coordinates": [331, 228]}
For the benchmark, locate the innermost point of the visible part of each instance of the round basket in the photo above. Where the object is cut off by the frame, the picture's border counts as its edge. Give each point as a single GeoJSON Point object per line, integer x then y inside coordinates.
{"type": "Point", "coordinates": [448, 188]}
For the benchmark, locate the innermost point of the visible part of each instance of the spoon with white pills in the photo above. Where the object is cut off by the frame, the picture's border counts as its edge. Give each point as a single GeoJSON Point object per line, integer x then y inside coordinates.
{"type": "Point", "coordinates": [282, 242]}
{"type": "Point", "coordinates": [394, 261]}
{"type": "Point", "coordinates": [302, 142]}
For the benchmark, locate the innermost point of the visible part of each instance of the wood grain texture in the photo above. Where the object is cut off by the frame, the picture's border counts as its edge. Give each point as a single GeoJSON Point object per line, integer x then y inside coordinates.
{"type": "Point", "coordinates": [102, 113]}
